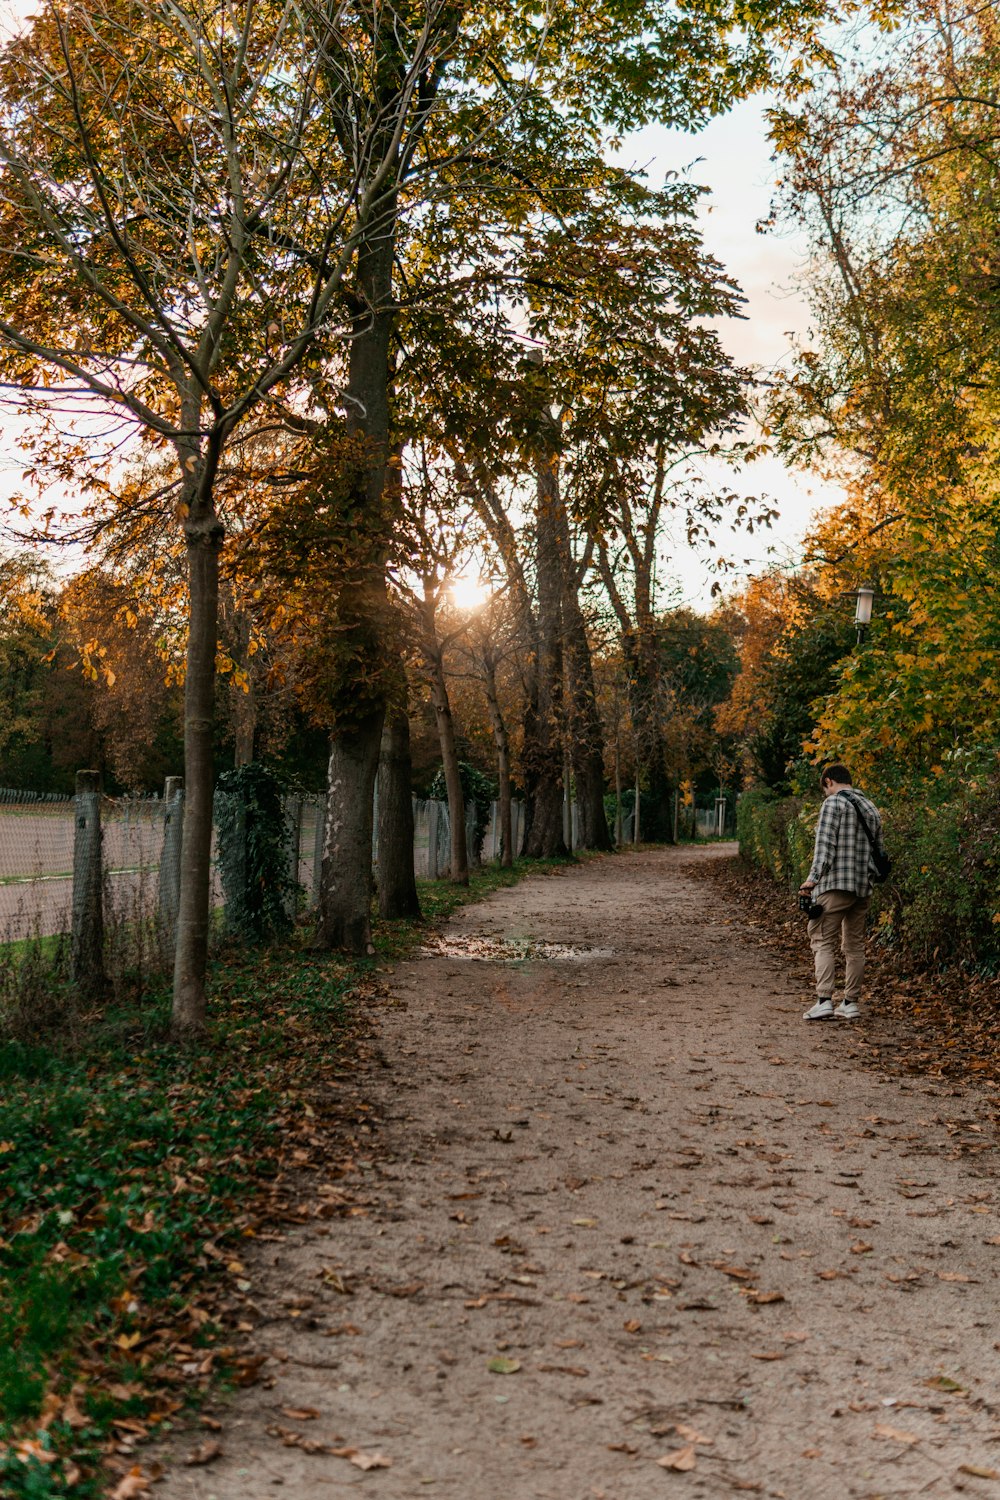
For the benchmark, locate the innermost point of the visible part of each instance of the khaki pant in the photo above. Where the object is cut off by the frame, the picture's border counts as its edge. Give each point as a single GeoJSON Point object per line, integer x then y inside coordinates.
{"type": "Point", "coordinates": [844, 916]}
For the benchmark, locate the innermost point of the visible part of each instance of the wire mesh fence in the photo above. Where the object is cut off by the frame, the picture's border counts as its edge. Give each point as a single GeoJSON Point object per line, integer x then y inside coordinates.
{"type": "Point", "coordinates": [140, 849]}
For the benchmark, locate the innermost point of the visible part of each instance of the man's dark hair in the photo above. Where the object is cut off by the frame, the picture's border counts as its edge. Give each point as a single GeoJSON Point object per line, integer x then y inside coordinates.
{"type": "Point", "coordinates": [837, 773]}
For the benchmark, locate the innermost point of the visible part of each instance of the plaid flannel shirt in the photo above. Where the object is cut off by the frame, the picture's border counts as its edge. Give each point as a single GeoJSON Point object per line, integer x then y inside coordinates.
{"type": "Point", "coordinates": [842, 857]}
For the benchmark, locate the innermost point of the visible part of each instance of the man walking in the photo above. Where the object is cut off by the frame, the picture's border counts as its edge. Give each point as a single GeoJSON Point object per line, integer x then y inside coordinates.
{"type": "Point", "coordinates": [840, 881]}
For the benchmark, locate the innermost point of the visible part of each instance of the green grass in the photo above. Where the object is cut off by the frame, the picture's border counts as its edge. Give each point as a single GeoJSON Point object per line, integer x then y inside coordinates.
{"type": "Point", "coordinates": [44, 947]}
{"type": "Point", "coordinates": [129, 1171]}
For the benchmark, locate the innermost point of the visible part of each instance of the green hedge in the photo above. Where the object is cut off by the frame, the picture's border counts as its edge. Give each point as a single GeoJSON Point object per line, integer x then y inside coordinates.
{"type": "Point", "coordinates": [942, 903]}
{"type": "Point", "coordinates": [776, 833]}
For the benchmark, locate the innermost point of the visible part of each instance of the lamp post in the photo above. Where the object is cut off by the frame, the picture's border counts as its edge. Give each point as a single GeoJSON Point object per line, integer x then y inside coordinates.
{"type": "Point", "coordinates": [863, 613]}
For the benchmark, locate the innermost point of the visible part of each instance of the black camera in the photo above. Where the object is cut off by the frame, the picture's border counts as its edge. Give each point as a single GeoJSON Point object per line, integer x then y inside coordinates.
{"type": "Point", "coordinates": [811, 908]}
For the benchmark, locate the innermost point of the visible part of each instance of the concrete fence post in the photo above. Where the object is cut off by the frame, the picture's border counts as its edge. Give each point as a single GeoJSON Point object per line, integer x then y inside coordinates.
{"type": "Point", "coordinates": [471, 852]}
{"type": "Point", "coordinates": [170, 863]}
{"type": "Point", "coordinates": [317, 875]}
{"type": "Point", "coordinates": [293, 827]}
{"type": "Point", "coordinates": [433, 811]}
{"type": "Point", "coordinates": [88, 886]}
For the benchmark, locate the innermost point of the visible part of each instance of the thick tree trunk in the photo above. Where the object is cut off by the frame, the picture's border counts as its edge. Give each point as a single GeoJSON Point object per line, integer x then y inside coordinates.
{"type": "Point", "coordinates": [343, 919]}
{"type": "Point", "coordinates": [586, 731]}
{"type": "Point", "coordinates": [204, 544]}
{"type": "Point", "coordinates": [543, 756]}
{"type": "Point", "coordinates": [363, 618]}
{"type": "Point", "coordinates": [529, 731]}
{"type": "Point", "coordinates": [397, 886]}
{"type": "Point", "coordinates": [459, 872]}
{"type": "Point", "coordinates": [657, 803]}
{"type": "Point", "coordinates": [502, 743]}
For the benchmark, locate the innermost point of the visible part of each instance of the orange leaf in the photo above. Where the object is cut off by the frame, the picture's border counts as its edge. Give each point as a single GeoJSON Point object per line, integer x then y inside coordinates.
{"type": "Point", "coordinates": [683, 1460]}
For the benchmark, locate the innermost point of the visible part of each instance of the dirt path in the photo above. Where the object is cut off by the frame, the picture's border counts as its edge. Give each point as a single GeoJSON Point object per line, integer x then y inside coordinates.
{"type": "Point", "coordinates": [699, 1227]}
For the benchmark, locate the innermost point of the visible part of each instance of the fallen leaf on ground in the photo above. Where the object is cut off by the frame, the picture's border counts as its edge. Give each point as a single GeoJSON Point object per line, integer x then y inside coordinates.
{"type": "Point", "coordinates": [683, 1460]}
{"type": "Point", "coordinates": [248, 1370]}
{"type": "Point", "coordinates": [632, 1326]}
{"type": "Point", "coordinates": [953, 1276]}
{"type": "Point", "coordinates": [503, 1366]}
{"type": "Point", "coordinates": [763, 1299]}
{"type": "Point", "coordinates": [895, 1434]}
{"type": "Point", "coordinates": [691, 1434]}
{"type": "Point", "coordinates": [133, 1483]}
{"type": "Point", "coordinates": [770, 1354]}
{"type": "Point", "coordinates": [980, 1473]}
{"type": "Point", "coordinates": [739, 1273]}
{"type": "Point", "coordinates": [945, 1383]}
{"type": "Point", "coordinates": [861, 1247]}
{"type": "Point", "coordinates": [362, 1460]}
{"type": "Point", "coordinates": [300, 1413]}
{"type": "Point", "coordinates": [563, 1370]}
{"type": "Point", "coordinates": [205, 1453]}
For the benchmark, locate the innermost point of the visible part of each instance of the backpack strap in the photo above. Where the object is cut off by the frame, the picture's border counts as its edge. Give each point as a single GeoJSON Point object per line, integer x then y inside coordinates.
{"type": "Point", "coordinates": [862, 820]}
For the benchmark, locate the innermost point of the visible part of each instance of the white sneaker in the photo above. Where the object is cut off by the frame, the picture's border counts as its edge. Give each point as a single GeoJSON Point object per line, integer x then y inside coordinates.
{"type": "Point", "coordinates": [821, 1011]}
{"type": "Point", "coordinates": [847, 1011]}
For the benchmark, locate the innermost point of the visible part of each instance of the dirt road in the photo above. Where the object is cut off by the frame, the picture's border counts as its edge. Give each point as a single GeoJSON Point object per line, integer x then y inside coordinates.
{"type": "Point", "coordinates": [635, 1230]}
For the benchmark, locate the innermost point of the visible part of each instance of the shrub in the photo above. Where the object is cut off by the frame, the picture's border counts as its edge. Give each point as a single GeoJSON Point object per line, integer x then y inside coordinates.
{"type": "Point", "coordinates": [253, 842]}
{"type": "Point", "coordinates": [776, 833]}
{"type": "Point", "coordinates": [942, 902]}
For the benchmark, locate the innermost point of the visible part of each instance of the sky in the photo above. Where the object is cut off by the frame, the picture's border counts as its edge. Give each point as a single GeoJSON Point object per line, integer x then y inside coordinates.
{"type": "Point", "coordinates": [731, 158]}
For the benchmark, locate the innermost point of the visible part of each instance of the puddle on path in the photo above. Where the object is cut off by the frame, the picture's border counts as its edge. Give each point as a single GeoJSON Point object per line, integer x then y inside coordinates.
{"type": "Point", "coordinates": [508, 950]}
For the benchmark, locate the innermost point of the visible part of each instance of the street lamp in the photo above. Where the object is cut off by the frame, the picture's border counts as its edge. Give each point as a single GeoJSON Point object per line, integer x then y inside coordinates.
{"type": "Point", "coordinates": [863, 613]}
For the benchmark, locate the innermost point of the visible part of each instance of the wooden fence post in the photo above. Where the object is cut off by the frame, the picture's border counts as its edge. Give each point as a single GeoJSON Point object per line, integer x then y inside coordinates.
{"type": "Point", "coordinates": [88, 886]}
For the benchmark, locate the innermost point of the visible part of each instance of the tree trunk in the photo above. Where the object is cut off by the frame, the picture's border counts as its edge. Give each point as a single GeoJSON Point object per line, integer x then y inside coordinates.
{"type": "Point", "coordinates": [204, 544]}
{"type": "Point", "coordinates": [459, 873]}
{"type": "Point", "coordinates": [246, 731]}
{"type": "Point", "coordinates": [501, 740]}
{"type": "Point", "coordinates": [243, 703]}
{"type": "Point", "coordinates": [397, 886]}
{"type": "Point", "coordinates": [543, 756]}
{"type": "Point", "coordinates": [586, 730]}
{"type": "Point", "coordinates": [343, 919]}
{"type": "Point", "coordinates": [657, 810]}
{"type": "Point", "coordinates": [359, 704]}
